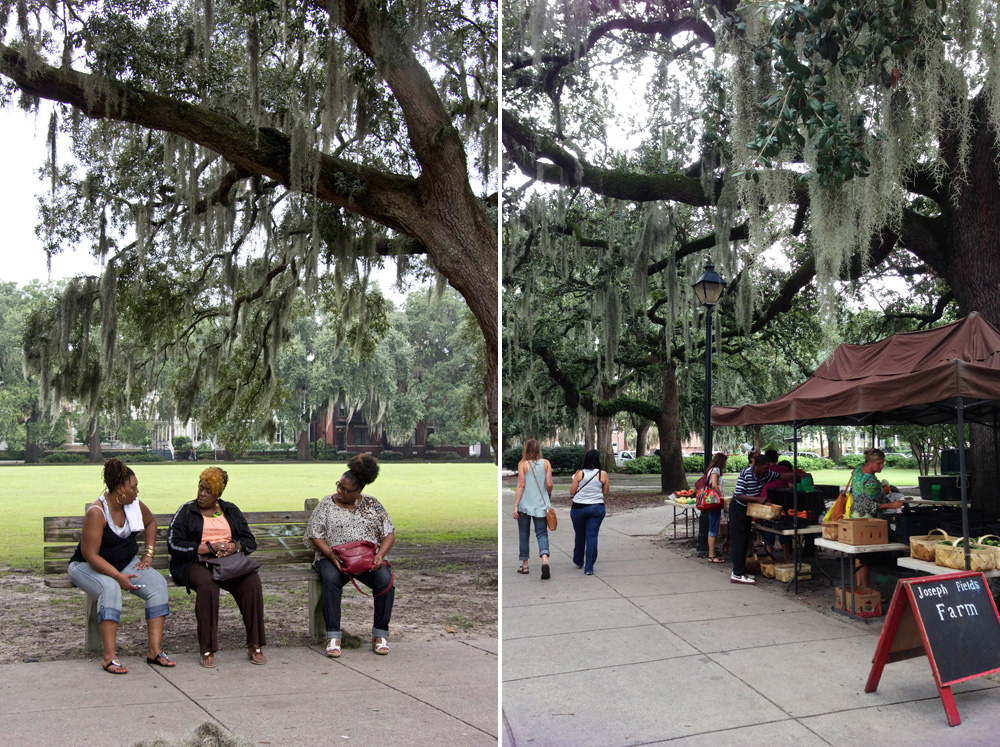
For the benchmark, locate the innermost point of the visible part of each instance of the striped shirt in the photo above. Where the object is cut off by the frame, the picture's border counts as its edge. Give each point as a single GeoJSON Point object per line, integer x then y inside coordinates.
{"type": "Point", "coordinates": [750, 484]}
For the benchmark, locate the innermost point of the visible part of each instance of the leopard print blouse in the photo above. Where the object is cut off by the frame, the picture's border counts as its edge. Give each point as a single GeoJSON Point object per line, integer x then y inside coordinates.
{"type": "Point", "coordinates": [369, 521]}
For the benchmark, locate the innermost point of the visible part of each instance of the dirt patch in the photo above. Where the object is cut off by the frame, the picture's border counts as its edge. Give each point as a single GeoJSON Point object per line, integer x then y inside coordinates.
{"type": "Point", "coordinates": [441, 591]}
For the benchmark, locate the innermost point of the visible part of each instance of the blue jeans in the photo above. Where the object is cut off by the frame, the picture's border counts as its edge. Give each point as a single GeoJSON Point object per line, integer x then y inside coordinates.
{"type": "Point", "coordinates": [714, 519]}
{"type": "Point", "coordinates": [109, 593]}
{"type": "Point", "coordinates": [333, 591]}
{"type": "Point", "coordinates": [586, 524]}
{"type": "Point", "coordinates": [524, 522]}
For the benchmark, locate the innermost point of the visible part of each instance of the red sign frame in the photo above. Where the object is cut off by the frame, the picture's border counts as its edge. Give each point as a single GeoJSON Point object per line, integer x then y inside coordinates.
{"type": "Point", "coordinates": [904, 636]}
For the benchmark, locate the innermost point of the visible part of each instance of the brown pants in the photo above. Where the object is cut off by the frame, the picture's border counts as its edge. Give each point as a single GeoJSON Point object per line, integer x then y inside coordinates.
{"type": "Point", "coordinates": [249, 596]}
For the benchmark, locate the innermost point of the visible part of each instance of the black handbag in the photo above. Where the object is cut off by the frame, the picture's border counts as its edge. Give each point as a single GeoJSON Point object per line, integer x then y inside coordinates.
{"type": "Point", "coordinates": [231, 567]}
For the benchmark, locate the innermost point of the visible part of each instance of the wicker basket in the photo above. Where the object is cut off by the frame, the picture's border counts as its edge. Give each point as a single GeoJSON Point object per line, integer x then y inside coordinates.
{"type": "Point", "coordinates": [753, 564]}
{"type": "Point", "coordinates": [923, 547]}
{"type": "Point", "coordinates": [767, 567]}
{"type": "Point", "coordinates": [785, 572]}
{"type": "Point", "coordinates": [951, 554]}
{"type": "Point", "coordinates": [830, 530]}
{"type": "Point", "coordinates": [992, 548]}
{"type": "Point", "coordinates": [764, 511]}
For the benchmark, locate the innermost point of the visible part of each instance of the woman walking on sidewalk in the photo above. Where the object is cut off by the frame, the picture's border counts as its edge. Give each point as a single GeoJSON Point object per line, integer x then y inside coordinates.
{"type": "Point", "coordinates": [534, 475]}
{"type": "Point", "coordinates": [589, 488]}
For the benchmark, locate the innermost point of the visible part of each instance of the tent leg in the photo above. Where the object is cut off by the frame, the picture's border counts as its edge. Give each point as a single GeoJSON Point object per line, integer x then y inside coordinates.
{"type": "Point", "coordinates": [963, 480]}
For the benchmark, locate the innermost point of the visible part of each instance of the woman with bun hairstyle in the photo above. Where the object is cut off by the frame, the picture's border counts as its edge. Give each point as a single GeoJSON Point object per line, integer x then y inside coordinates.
{"type": "Point", "coordinates": [211, 527]}
{"type": "Point", "coordinates": [107, 560]}
{"type": "Point", "coordinates": [345, 516]}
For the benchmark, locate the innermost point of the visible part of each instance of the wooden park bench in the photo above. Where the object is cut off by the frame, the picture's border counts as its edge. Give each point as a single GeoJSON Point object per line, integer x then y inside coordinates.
{"type": "Point", "coordinates": [283, 558]}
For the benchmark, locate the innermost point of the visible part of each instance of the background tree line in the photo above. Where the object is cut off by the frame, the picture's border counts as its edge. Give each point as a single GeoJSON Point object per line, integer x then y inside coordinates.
{"type": "Point", "coordinates": [420, 362]}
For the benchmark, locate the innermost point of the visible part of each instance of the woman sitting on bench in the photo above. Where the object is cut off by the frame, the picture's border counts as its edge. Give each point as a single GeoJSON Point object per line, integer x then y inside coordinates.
{"type": "Point", "coordinates": [108, 549]}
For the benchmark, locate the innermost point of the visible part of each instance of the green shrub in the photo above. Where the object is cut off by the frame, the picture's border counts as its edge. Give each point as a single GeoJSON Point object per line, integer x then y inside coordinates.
{"type": "Point", "coordinates": [694, 464]}
{"type": "Point", "coordinates": [737, 463]}
{"type": "Point", "coordinates": [565, 460]}
{"type": "Point", "coordinates": [442, 456]}
{"type": "Point", "coordinates": [900, 462]}
{"type": "Point", "coordinates": [16, 454]}
{"type": "Point", "coordinates": [390, 456]}
{"type": "Point", "coordinates": [343, 456]}
{"type": "Point", "coordinates": [181, 443]}
{"type": "Point", "coordinates": [647, 465]}
{"type": "Point", "coordinates": [63, 457]}
{"type": "Point", "coordinates": [146, 457]}
{"type": "Point", "coordinates": [851, 460]}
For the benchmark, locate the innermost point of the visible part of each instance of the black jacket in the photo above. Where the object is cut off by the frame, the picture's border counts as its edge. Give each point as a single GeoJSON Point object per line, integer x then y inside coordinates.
{"type": "Point", "coordinates": [185, 536]}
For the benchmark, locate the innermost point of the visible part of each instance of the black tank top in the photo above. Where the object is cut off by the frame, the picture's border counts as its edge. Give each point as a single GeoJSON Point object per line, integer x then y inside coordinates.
{"type": "Point", "coordinates": [116, 550]}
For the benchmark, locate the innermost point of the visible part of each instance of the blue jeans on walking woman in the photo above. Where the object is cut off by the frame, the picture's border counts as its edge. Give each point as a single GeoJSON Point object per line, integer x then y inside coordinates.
{"type": "Point", "coordinates": [524, 522]}
{"type": "Point", "coordinates": [586, 524]}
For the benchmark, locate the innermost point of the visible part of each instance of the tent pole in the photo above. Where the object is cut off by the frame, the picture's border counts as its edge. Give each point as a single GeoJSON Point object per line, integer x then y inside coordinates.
{"type": "Point", "coordinates": [963, 486]}
{"type": "Point", "coordinates": [795, 505]}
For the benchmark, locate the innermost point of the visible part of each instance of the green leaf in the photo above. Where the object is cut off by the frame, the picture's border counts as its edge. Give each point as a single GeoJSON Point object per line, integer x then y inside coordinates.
{"type": "Point", "coordinates": [932, 4]}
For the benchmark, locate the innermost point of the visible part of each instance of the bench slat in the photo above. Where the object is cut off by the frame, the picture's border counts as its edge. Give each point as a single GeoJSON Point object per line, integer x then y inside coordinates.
{"type": "Point", "coordinates": [267, 577]}
{"type": "Point", "coordinates": [262, 523]}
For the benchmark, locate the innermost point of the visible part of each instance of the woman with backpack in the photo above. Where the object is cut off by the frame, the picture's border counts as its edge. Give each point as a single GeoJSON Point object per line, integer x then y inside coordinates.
{"type": "Point", "coordinates": [713, 479]}
{"type": "Point", "coordinates": [589, 488]}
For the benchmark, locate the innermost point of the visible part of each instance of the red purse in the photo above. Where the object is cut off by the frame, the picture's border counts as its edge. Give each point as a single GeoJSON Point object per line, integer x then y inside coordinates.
{"type": "Point", "coordinates": [708, 499]}
{"type": "Point", "coordinates": [359, 557]}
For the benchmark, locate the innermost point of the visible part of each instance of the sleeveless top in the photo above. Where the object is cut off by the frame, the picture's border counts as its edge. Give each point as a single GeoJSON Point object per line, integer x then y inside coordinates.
{"type": "Point", "coordinates": [593, 491]}
{"type": "Point", "coordinates": [118, 545]}
{"type": "Point", "coordinates": [535, 497]}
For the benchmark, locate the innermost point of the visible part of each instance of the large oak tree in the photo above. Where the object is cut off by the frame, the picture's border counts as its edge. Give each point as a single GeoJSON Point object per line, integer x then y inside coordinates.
{"type": "Point", "coordinates": [865, 131]}
{"type": "Point", "coordinates": [226, 154]}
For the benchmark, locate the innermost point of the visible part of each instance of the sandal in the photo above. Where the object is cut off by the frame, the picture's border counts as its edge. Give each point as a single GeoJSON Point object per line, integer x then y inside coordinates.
{"type": "Point", "coordinates": [208, 660]}
{"type": "Point", "coordinates": [119, 668]}
{"type": "Point", "coordinates": [522, 569]}
{"type": "Point", "coordinates": [715, 559]}
{"type": "Point", "coordinates": [161, 660]}
{"type": "Point", "coordinates": [333, 648]}
{"type": "Point", "coordinates": [380, 645]}
{"type": "Point", "coordinates": [256, 656]}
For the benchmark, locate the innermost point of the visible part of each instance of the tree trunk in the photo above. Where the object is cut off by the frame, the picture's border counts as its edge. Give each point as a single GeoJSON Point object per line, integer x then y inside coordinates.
{"type": "Point", "coordinates": [971, 268]}
{"type": "Point", "coordinates": [833, 443]}
{"type": "Point", "coordinates": [30, 446]}
{"type": "Point", "coordinates": [672, 475]}
{"type": "Point", "coordinates": [641, 432]}
{"type": "Point", "coordinates": [302, 447]}
{"type": "Point", "coordinates": [604, 444]}
{"type": "Point", "coordinates": [94, 440]}
{"type": "Point", "coordinates": [588, 434]}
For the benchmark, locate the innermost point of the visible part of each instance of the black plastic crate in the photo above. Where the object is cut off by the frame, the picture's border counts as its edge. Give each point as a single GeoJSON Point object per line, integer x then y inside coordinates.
{"type": "Point", "coordinates": [814, 502]}
{"type": "Point", "coordinates": [919, 520]}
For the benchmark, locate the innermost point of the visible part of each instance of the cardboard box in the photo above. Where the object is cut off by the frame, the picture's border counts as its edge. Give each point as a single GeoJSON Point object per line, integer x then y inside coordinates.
{"type": "Point", "coordinates": [863, 531]}
{"type": "Point", "coordinates": [866, 603]}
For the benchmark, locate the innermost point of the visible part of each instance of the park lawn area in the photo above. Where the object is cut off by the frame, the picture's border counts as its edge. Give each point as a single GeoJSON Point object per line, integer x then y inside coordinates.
{"type": "Point", "coordinates": [427, 502]}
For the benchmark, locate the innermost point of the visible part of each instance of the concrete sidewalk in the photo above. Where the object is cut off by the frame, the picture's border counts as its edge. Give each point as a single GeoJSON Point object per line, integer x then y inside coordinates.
{"type": "Point", "coordinates": [429, 693]}
{"type": "Point", "coordinates": [657, 647]}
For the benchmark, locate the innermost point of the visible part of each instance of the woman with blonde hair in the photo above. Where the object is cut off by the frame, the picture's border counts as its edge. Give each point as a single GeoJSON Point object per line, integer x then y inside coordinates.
{"type": "Point", "coordinates": [866, 502]}
{"type": "Point", "coordinates": [532, 497]}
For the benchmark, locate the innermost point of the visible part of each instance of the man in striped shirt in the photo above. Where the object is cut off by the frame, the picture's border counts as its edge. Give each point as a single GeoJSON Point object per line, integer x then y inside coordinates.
{"type": "Point", "coordinates": [748, 489]}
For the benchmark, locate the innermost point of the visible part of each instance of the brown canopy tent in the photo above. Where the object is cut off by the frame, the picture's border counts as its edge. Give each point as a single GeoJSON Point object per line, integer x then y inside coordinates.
{"type": "Point", "coordinates": [950, 374]}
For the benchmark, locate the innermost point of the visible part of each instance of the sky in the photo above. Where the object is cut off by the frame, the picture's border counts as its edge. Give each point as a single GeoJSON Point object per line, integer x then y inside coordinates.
{"type": "Point", "coordinates": [22, 258]}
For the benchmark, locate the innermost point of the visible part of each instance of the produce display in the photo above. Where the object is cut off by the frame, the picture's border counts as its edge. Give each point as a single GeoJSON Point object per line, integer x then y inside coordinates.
{"type": "Point", "coordinates": [684, 497]}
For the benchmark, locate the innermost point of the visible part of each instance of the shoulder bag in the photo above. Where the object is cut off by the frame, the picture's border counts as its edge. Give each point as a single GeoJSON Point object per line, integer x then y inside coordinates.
{"type": "Point", "coordinates": [550, 513]}
{"type": "Point", "coordinates": [230, 567]}
{"type": "Point", "coordinates": [842, 506]}
{"type": "Point", "coordinates": [707, 498]}
{"type": "Point", "coordinates": [359, 557]}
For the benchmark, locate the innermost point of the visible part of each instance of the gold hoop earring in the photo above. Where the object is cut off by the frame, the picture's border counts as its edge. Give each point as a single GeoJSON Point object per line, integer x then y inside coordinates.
{"type": "Point", "coordinates": [119, 500]}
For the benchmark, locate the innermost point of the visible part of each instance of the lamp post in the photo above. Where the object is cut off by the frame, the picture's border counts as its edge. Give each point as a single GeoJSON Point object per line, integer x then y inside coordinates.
{"type": "Point", "coordinates": [709, 289]}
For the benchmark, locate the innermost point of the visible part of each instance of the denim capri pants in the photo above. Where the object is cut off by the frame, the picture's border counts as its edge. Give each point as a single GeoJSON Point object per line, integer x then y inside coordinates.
{"type": "Point", "coordinates": [714, 519]}
{"type": "Point", "coordinates": [109, 594]}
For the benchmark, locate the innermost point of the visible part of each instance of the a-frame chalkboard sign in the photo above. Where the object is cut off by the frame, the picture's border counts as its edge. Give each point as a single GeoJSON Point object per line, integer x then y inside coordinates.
{"type": "Point", "coordinates": [952, 620]}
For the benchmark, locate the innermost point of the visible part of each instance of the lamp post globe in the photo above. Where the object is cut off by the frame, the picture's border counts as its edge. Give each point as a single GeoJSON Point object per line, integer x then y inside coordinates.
{"type": "Point", "coordinates": [709, 289]}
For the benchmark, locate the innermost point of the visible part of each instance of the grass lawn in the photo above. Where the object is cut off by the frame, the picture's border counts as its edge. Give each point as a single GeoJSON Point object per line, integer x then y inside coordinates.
{"type": "Point", "coordinates": [435, 502]}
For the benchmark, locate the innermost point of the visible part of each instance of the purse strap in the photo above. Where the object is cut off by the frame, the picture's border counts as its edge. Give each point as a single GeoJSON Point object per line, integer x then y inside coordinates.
{"type": "Point", "coordinates": [588, 480]}
{"type": "Point", "coordinates": [545, 493]}
{"type": "Point", "coordinates": [392, 578]}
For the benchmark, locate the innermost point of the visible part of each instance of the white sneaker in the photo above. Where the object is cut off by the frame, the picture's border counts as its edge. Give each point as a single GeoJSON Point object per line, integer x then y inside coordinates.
{"type": "Point", "coordinates": [742, 579]}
